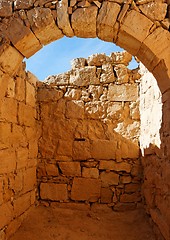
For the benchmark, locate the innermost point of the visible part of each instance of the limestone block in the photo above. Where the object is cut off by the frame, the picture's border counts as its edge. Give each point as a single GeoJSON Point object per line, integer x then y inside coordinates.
{"type": "Point", "coordinates": [26, 115]}
{"type": "Point", "coordinates": [132, 187]}
{"type": "Point", "coordinates": [17, 182]}
{"type": "Point", "coordinates": [85, 189]}
{"type": "Point", "coordinates": [8, 110]}
{"type": "Point", "coordinates": [97, 59]}
{"type": "Point", "coordinates": [59, 79]}
{"type": "Point", "coordinates": [32, 79]}
{"type": "Point", "coordinates": [81, 150]}
{"type": "Point", "coordinates": [109, 179]}
{"type": "Point", "coordinates": [130, 198]}
{"type": "Point", "coordinates": [24, 4]}
{"type": "Point", "coordinates": [73, 94]}
{"type": "Point", "coordinates": [129, 150]}
{"type": "Point", "coordinates": [21, 204]}
{"type": "Point", "coordinates": [95, 110]}
{"type": "Point", "coordinates": [107, 75]}
{"type": "Point", "coordinates": [154, 48]}
{"type": "Point", "coordinates": [10, 92]}
{"type": "Point", "coordinates": [22, 37]}
{"type": "Point", "coordinates": [20, 91]}
{"type": "Point", "coordinates": [121, 73]}
{"type": "Point", "coordinates": [22, 157]}
{"type": "Point", "coordinates": [84, 76]}
{"type": "Point", "coordinates": [113, 165]}
{"type": "Point", "coordinates": [10, 58]}
{"type": "Point", "coordinates": [114, 110]}
{"type": "Point", "coordinates": [123, 92]}
{"type": "Point", "coordinates": [53, 192]}
{"type": "Point", "coordinates": [95, 92]}
{"type": "Point", "coordinates": [106, 195]}
{"type": "Point", "coordinates": [30, 180]}
{"type": "Point", "coordinates": [30, 94]}
{"type": "Point", "coordinates": [78, 63]}
{"type": "Point", "coordinates": [63, 18]}
{"type": "Point", "coordinates": [122, 207]}
{"type": "Point", "coordinates": [83, 21]}
{"type": "Point", "coordinates": [104, 149]}
{"type": "Point", "coordinates": [106, 20]}
{"type": "Point", "coordinates": [7, 161]}
{"type": "Point", "coordinates": [52, 170]}
{"type": "Point", "coordinates": [125, 179]}
{"type": "Point", "coordinates": [90, 172]}
{"type": "Point", "coordinates": [18, 138]}
{"type": "Point", "coordinates": [70, 169]}
{"type": "Point", "coordinates": [64, 148]}
{"type": "Point", "coordinates": [5, 8]}
{"type": "Point", "coordinates": [6, 214]}
{"type": "Point", "coordinates": [120, 58]}
{"type": "Point", "coordinates": [75, 109]}
{"type": "Point", "coordinates": [46, 95]}
{"type": "Point", "coordinates": [156, 11]}
{"type": "Point", "coordinates": [43, 25]}
{"type": "Point", "coordinates": [5, 130]}
{"type": "Point", "coordinates": [129, 33]}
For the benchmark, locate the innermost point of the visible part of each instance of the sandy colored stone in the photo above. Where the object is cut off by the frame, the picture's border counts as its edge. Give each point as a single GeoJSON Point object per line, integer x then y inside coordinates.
{"type": "Point", "coordinates": [113, 165]}
{"type": "Point", "coordinates": [52, 170]}
{"type": "Point", "coordinates": [22, 157]}
{"type": "Point", "coordinates": [22, 38]}
{"type": "Point", "coordinates": [90, 172]}
{"type": "Point", "coordinates": [7, 161]}
{"type": "Point", "coordinates": [84, 76]}
{"type": "Point", "coordinates": [26, 115]}
{"type": "Point", "coordinates": [107, 75]}
{"type": "Point", "coordinates": [130, 198]}
{"type": "Point", "coordinates": [8, 110]}
{"type": "Point", "coordinates": [70, 169]}
{"type": "Point", "coordinates": [43, 25]}
{"type": "Point", "coordinates": [5, 8]}
{"type": "Point", "coordinates": [30, 94]}
{"type": "Point", "coordinates": [106, 20]}
{"type": "Point", "coordinates": [109, 179]}
{"type": "Point", "coordinates": [75, 109]}
{"type": "Point", "coordinates": [53, 192]}
{"type": "Point", "coordinates": [123, 92]}
{"type": "Point", "coordinates": [22, 204]}
{"type": "Point", "coordinates": [120, 58]}
{"type": "Point", "coordinates": [130, 33]}
{"type": "Point", "coordinates": [6, 213]}
{"type": "Point", "coordinates": [10, 58]}
{"type": "Point", "coordinates": [97, 59]}
{"type": "Point", "coordinates": [81, 150]}
{"type": "Point", "coordinates": [83, 21]}
{"type": "Point", "coordinates": [132, 187]}
{"type": "Point", "coordinates": [125, 179]}
{"type": "Point", "coordinates": [29, 179]}
{"type": "Point", "coordinates": [50, 94]}
{"type": "Point", "coordinates": [73, 94]}
{"type": "Point", "coordinates": [156, 11]}
{"type": "Point", "coordinates": [95, 110]}
{"type": "Point", "coordinates": [121, 74]}
{"type": "Point", "coordinates": [64, 148]}
{"type": "Point", "coordinates": [78, 63]}
{"type": "Point", "coordinates": [85, 189]}
{"type": "Point", "coordinates": [24, 4]}
{"type": "Point", "coordinates": [103, 149]}
{"type": "Point", "coordinates": [106, 195]}
{"type": "Point", "coordinates": [63, 18]}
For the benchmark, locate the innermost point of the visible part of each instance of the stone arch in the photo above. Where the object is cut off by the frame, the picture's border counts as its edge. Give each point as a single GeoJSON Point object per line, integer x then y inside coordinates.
{"type": "Point", "coordinates": [139, 27]}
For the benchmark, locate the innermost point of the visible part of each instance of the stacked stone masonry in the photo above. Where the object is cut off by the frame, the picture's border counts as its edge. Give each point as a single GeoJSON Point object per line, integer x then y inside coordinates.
{"type": "Point", "coordinates": [89, 120]}
{"type": "Point", "coordinates": [18, 148]}
{"type": "Point", "coordinates": [141, 27]}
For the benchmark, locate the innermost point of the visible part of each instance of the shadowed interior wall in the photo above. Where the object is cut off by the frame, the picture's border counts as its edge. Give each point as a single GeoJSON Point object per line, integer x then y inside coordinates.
{"type": "Point", "coordinates": [18, 148]}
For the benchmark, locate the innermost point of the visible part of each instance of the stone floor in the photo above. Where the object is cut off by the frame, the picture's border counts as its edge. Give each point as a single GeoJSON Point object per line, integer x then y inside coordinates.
{"type": "Point", "coordinates": [47, 223]}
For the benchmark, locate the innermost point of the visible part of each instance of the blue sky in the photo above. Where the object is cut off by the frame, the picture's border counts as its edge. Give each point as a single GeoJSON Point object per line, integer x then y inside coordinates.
{"type": "Point", "coordinates": [56, 57]}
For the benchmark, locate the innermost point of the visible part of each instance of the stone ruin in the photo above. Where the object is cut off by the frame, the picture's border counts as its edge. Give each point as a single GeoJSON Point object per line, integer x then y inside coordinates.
{"type": "Point", "coordinates": [142, 28]}
{"type": "Point", "coordinates": [80, 132]}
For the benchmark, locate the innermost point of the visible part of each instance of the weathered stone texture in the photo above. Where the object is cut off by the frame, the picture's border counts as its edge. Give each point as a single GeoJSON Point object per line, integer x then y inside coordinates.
{"type": "Point", "coordinates": [90, 130]}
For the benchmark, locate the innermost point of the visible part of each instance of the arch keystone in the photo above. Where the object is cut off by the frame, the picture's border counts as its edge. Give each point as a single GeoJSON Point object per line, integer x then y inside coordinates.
{"type": "Point", "coordinates": [133, 30]}
{"type": "Point", "coordinates": [83, 22]}
{"type": "Point", "coordinates": [106, 21]}
{"type": "Point", "coordinates": [43, 25]}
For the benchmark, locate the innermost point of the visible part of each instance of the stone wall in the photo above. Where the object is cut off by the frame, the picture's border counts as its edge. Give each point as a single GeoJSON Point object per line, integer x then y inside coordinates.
{"type": "Point", "coordinates": [18, 148]}
{"type": "Point", "coordinates": [154, 141]}
{"type": "Point", "coordinates": [89, 124]}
